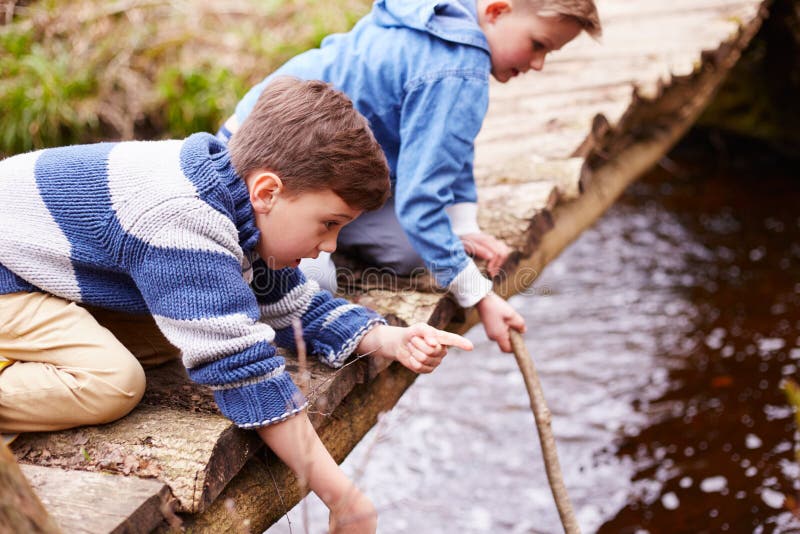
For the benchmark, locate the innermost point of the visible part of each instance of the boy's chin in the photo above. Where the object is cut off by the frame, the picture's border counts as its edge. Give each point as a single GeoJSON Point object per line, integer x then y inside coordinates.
{"type": "Point", "coordinates": [292, 264]}
{"type": "Point", "coordinates": [502, 77]}
{"type": "Point", "coordinates": [276, 265]}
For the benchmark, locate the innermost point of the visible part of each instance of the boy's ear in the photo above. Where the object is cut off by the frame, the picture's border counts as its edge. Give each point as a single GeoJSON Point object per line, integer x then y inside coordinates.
{"type": "Point", "coordinates": [265, 187]}
{"type": "Point", "coordinates": [495, 8]}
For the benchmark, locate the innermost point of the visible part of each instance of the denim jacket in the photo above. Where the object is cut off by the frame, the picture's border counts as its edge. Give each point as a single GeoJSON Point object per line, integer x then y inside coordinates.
{"type": "Point", "coordinates": [418, 70]}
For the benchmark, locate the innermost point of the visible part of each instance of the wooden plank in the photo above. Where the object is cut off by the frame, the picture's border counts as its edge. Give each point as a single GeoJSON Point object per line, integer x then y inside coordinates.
{"type": "Point", "coordinates": [96, 503]}
{"type": "Point", "coordinates": [174, 446]}
{"type": "Point", "coordinates": [626, 11]}
{"type": "Point", "coordinates": [20, 508]}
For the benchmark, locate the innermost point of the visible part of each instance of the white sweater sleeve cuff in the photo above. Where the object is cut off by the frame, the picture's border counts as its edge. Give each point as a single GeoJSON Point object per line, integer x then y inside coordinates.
{"type": "Point", "coordinates": [469, 286]}
{"type": "Point", "coordinates": [463, 218]}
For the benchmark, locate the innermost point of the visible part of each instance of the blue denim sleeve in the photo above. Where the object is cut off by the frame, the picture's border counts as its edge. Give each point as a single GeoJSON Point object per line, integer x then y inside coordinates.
{"type": "Point", "coordinates": [464, 189]}
{"type": "Point", "coordinates": [440, 119]}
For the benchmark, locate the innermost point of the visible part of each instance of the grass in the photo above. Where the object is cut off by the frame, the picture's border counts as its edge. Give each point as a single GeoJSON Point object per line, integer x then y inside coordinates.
{"type": "Point", "coordinates": [79, 71]}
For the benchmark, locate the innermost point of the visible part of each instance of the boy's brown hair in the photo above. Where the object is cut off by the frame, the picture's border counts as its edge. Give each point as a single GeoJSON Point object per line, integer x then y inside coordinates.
{"type": "Point", "coordinates": [584, 12]}
{"type": "Point", "coordinates": [312, 137]}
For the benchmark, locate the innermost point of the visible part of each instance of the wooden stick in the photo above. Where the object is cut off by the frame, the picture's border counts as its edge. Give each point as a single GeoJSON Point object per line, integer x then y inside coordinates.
{"type": "Point", "coordinates": [302, 479]}
{"type": "Point", "coordinates": [20, 508]}
{"type": "Point", "coordinates": [541, 414]}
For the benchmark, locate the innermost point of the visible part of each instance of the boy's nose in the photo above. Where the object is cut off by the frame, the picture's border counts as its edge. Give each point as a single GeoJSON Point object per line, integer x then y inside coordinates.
{"type": "Point", "coordinates": [329, 246]}
{"type": "Point", "coordinates": [537, 63]}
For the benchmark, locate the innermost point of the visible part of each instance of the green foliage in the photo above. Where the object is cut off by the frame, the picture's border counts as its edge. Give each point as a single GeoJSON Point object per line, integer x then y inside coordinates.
{"type": "Point", "coordinates": [792, 391]}
{"type": "Point", "coordinates": [199, 99]}
{"type": "Point", "coordinates": [759, 97]}
{"type": "Point", "coordinates": [80, 71]}
{"type": "Point", "coordinates": [36, 94]}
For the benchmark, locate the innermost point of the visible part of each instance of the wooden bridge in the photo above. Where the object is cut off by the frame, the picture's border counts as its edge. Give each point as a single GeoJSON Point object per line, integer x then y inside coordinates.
{"type": "Point", "coordinates": [556, 150]}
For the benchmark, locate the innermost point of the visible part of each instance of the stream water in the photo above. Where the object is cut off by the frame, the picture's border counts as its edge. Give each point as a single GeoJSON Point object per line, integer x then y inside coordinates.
{"type": "Point", "coordinates": [662, 336]}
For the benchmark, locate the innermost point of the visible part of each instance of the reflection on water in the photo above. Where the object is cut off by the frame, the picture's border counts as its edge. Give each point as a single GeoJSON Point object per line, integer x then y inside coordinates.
{"type": "Point", "coordinates": [717, 453]}
{"type": "Point", "coordinates": [661, 343]}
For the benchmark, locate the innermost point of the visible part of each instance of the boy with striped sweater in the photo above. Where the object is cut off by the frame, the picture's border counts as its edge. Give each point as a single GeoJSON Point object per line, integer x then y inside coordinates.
{"type": "Point", "coordinates": [205, 239]}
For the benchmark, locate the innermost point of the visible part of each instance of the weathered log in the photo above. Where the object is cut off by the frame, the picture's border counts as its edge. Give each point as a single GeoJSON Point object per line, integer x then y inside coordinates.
{"type": "Point", "coordinates": [20, 508]}
{"type": "Point", "coordinates": [96, 503]}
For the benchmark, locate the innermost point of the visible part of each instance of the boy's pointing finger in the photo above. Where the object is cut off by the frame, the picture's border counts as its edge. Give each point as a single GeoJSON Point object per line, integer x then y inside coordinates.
{"type": "Point", "coordinates": [453, 340]}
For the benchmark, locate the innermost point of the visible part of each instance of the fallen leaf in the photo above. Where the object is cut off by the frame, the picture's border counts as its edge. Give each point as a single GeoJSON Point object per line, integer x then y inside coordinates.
{"type": "Point", "coordinates": [722, 381]}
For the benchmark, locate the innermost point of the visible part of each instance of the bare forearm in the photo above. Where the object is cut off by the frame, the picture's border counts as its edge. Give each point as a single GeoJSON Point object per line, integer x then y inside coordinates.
{"type": "Point", "coordinates": [374, 342]}
{"type": "Point", "coordinates": [296, 443]}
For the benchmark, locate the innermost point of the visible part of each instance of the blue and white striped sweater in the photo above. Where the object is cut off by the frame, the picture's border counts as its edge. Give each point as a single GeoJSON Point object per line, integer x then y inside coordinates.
{"type": "Point", "coordinates": [166, 228]}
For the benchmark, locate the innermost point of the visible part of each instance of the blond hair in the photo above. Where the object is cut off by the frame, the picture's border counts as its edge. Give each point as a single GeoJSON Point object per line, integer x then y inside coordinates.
{"type": "Point", "coordinates": [584, 12]}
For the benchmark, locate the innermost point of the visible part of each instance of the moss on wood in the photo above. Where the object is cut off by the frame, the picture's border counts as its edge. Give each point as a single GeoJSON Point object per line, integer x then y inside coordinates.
{"type": "Point", "coordinates": [759, 98]}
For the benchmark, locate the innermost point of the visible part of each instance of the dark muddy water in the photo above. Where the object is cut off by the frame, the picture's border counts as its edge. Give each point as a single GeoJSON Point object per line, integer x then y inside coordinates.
{"type": "Point", "coordinates": [662, 336]}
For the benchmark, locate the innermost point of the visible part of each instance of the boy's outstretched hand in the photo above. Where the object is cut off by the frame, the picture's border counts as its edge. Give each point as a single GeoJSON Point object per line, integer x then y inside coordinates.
{"type": "Point", "coordinates": [420, 347]}
{"type": "Point", "coordinates": [498, 317]}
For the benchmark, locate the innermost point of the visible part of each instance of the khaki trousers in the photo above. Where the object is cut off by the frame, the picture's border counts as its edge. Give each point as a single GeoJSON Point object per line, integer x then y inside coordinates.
{"type": "Point", "coordinates": [72, 365]}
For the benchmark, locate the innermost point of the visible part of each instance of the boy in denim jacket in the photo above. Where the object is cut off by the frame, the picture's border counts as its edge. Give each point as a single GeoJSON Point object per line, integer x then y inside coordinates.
{"type": "Point", "coordinates": [419, 71]}
{"type": "Point", "coordinates": [205, 239]}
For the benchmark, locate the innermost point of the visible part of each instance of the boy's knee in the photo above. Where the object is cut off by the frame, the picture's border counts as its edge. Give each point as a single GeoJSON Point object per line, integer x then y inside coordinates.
{"type": "Point", "coordinates": [120, 391]}
{"type": "Point", "coordinates": [396, 256]}
{"type": "Point", "coordinates": [403, 260]}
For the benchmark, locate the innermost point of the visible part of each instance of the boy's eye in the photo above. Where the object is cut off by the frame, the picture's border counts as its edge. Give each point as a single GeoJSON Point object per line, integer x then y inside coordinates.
{"type": "Point", "coordinates": [537, 46]}
{"type": "Point", "coordinates": [330, 224]}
